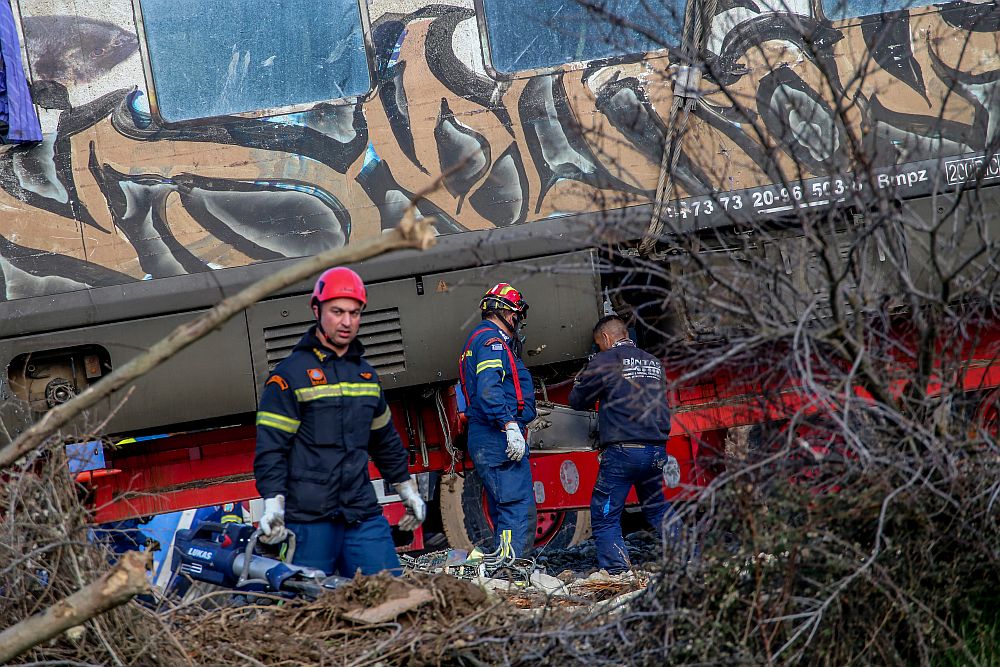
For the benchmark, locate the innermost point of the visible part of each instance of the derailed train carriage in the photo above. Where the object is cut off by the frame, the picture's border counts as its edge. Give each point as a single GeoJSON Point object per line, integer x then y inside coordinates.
{"type": "Point", "coordinates": [191, 147]}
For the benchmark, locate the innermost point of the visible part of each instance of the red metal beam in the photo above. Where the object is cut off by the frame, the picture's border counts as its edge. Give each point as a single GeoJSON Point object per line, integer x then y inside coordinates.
{"type": "Point", "coordinates": [191, 470]}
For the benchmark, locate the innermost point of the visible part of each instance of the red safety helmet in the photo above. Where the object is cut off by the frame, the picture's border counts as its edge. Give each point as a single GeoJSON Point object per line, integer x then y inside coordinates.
{"type": "Point", "coordinates": [504, 297]}
{"type": "Point", "coordinates": [339, 282]}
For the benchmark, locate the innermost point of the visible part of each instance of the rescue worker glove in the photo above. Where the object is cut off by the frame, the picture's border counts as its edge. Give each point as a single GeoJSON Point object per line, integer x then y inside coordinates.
{"type": "Point", "coordinates": [416, 510]}
{"type": "Point", "coordinates": [515, 441]}
{"type": "Point", "coordinates": [272, 524]}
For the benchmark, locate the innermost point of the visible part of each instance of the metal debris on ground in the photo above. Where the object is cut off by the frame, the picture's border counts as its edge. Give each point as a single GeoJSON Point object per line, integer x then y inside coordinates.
{"type": "Point", "coordinates": [522, 583]}
{"type": "Point", "coordinates": [500, 563]}
{"type": "Point", "coordinates": [599, 587]}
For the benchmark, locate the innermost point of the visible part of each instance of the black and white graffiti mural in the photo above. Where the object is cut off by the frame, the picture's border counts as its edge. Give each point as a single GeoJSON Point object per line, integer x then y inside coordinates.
{"type": "Point", "coordinates": [113, 194]}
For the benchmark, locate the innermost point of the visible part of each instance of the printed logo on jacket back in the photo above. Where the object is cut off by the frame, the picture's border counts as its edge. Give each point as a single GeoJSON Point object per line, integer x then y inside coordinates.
{"type": "Point", "coordinates": [633, 368]}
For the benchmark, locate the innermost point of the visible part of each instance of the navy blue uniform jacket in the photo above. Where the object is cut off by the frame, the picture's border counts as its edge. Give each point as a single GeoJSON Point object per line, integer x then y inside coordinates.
{"type": "Point", "coordinates": [319, 419]}
{"type": "Point", "coordinates": [629, 384]}
{"type": "Point", "coordinates": [489, 381]}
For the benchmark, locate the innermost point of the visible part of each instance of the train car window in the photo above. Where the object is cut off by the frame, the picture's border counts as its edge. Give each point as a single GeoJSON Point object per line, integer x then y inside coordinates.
{"type": "Point", "coordinates": [534, 34]}
{"type": "Point", "coordinates": [209, 58]}
{"type": "Point", "coordinates": [838, 10]}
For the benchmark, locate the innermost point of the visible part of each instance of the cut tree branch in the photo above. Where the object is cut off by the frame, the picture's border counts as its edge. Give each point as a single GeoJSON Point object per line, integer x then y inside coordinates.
{"type": "Point", "coordinates": [115, 587]}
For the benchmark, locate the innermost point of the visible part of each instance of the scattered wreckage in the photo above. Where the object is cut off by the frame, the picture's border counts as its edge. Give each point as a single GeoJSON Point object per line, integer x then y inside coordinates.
{"type": "Point", "coordinates": [524, 584]}
{"type": "Point", "coordinates": [231, 556]}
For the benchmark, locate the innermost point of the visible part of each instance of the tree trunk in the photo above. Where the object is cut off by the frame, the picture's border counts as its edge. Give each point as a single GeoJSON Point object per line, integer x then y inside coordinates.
{"type": "Point", "coordinates": [117, 586]}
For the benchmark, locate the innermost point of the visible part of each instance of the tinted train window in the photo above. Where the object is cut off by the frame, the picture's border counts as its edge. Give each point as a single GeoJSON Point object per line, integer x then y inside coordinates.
{"type": "Point", "coordinates": [217, 57]}
{"type": "Point", "coordinates": [845, 9]}
{"type": "Point", "coordinates": [532, 34]}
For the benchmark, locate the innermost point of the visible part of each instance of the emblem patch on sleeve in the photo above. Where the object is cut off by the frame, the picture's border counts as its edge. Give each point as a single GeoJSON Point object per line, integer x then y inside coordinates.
{"type": "Point", "coordinates": [316, 376]}
{"type": "Point", "coordinates": [278, 380]}
{"type": "Point", "coordinates": [365, 375]}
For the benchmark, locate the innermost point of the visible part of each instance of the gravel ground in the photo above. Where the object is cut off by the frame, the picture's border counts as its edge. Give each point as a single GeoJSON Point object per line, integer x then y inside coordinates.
{"type": "Point", "coordinates": [643, 548]}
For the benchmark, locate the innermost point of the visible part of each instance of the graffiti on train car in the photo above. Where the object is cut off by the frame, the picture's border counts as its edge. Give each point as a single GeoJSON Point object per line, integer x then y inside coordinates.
{"type": "Point", "coordinates": [113, 195]}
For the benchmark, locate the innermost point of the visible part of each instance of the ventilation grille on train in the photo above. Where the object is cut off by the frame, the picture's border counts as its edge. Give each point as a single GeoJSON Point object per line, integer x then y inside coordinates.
{"type": "Point", "coordinates": [380, 333]}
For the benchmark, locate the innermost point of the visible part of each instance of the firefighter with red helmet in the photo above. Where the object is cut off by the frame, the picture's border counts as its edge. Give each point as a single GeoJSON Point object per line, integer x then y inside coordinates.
{"type": "Point", "coordinates": [500, 399]}
{"type": "Point", "coordinates": [322, 414]}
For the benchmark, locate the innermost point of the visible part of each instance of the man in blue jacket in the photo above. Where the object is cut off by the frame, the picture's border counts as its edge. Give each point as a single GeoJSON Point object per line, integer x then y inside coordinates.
{"type": "Point", "coordinates": [633, 424]}
{"type": "Point", "coordinates": [500, 399]}
{"type": "Point", "coordinates": [322, 414]}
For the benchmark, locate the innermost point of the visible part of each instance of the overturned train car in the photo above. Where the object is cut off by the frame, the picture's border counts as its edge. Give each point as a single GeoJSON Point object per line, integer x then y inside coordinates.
{"type": "Point", "coordinates": [188, 148]}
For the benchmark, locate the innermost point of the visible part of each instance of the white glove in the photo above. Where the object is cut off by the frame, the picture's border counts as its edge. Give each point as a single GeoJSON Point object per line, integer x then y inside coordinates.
{"type": "Point", "coordinates": [272, 524]}
{"type": "Point", "coordinates": [672, 473]}
{"type": "Point", "coordinates": [416, 510]}
{"type": "Point", "coordinates": [515, 441]}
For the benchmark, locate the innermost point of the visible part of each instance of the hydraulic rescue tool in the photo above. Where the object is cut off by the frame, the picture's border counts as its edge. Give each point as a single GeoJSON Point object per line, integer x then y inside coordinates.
{"type": "Point", "coordinates": [229, 555]}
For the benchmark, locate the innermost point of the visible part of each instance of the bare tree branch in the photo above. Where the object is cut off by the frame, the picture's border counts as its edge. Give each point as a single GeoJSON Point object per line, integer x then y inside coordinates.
{"type": "Point", "coordinates": [119, 585]}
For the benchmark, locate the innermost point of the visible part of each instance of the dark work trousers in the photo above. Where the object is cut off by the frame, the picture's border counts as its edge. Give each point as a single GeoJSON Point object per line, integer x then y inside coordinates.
{"type": "Point", "coordinates": [341, 548]}
{"type": "Point", "coordinates": [623, 466]}
{"type": "Point", "coordinates": [510, 495]}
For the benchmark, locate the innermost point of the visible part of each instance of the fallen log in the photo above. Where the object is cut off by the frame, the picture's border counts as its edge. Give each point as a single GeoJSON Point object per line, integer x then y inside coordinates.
{"type": "Point", "coordinates": [115, 587]}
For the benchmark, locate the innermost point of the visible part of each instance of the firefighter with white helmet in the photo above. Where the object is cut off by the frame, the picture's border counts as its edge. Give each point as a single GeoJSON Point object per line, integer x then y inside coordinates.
{"type": "Point", "coordinates": [500, 399]}
{"type": "Point", "coordinates": [322, 413]}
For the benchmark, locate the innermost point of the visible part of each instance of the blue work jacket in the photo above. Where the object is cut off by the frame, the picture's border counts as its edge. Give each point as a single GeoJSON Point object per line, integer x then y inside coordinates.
{"type": "Point", "coordinates": [319, 419]}
{"type": "Point", "coordinates": [630, 387]}
{"type": "Point", "coordinates": [489, 382]}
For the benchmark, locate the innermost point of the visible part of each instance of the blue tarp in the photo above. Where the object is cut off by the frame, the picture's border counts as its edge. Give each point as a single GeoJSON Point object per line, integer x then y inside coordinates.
{"type": "Point", "coordinates": [16, 107]}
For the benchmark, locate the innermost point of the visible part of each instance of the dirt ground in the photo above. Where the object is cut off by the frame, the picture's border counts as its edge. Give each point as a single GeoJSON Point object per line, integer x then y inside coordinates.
{"type": "Point", "coordinates": [427, 619]}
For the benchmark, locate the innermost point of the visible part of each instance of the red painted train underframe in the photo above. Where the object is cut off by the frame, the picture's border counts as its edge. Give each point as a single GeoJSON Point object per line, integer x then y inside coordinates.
{"type": "Point", "coordinates": [211, 467]}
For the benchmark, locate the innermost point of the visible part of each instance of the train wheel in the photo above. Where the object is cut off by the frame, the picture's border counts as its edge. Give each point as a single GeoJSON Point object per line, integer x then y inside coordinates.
{"type": "Point", "coordinates": [467, 523]}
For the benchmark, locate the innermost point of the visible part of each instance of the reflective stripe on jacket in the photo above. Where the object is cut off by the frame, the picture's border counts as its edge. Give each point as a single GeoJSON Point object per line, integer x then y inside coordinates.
{"type": "Point", "coordinates": [489, 380]}
{"type": "Point", "coordinates": [319, 419]}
